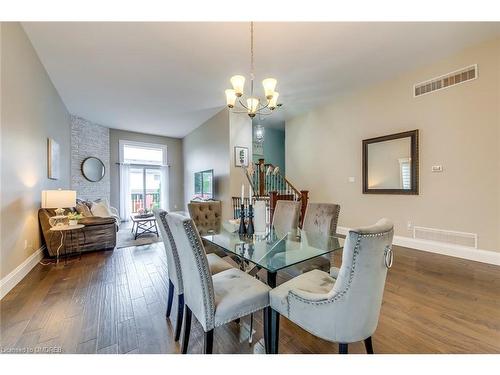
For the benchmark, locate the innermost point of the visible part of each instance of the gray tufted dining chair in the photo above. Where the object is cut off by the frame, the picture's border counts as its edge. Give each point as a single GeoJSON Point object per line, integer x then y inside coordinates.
{"type": "Point", "coordinates": [286, 216]}
{"type": "Point", "coordinates": [319, 218]}
{"type": "Point", "coordinates": [213, 300]}
{"type": "Point", "coordinates": [175, 281]}
{"type": "Point", "coordinates": [207, 217]}
{"type": "Point", "coordinates": [344, 306]}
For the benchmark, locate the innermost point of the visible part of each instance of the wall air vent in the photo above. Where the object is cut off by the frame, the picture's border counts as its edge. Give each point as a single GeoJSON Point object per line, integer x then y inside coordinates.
{"type": "Point", "coordinates": [446, 236]}
{"type": "Point", "coordinates": [443, 82]}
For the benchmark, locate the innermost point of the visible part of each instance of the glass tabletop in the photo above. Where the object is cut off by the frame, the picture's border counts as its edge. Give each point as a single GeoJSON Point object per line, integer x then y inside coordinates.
{"type": "Point", "coordinates": [274, 251]}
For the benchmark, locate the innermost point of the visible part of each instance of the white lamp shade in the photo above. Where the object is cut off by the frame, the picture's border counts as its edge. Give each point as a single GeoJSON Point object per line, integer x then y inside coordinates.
{"type": "Point", "coordinates": [58, 198]}
{"type": "Point", "coordinates": [230, 97]}
{"type": "Point", "coordinates": [269, 87]}
{"type": "Point", "coordinates": [238, 83]}
{"type": "Point", "coordinates": [252, 104]}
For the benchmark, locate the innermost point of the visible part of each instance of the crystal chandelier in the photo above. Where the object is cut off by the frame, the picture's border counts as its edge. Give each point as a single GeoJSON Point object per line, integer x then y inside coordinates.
{"type": "Point", "coordinates": [259, 133]}
{"type": "Point", "coordinates": [254, 104]}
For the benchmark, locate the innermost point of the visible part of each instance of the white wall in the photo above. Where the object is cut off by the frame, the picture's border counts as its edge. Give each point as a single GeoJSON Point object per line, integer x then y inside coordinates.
{"type": "Point", "coordinates": [240, 135]}
{"type": "Point", "coordinates": [204, 148]}
{"type": "Point", "coordinates": [459, 129]}
{"type": "Point", "coordinates": [211, 146]}
{"type": "Point", "coordinates": [31, 112]}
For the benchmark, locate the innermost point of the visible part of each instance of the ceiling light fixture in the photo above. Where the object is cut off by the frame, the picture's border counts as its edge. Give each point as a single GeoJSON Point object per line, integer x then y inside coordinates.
{"type": "Point", "coordinates": [259, 133]}
{"type": "Point", "coordinates": [254, 105]}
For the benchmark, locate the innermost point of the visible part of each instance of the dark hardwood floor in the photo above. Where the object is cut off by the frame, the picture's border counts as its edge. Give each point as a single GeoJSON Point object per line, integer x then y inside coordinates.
{"type": "Point", "coordinates": [115, 302]}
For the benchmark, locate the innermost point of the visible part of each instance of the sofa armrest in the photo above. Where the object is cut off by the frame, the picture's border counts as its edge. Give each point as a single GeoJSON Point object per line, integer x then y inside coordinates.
{"type": "Point", "coordinates": [114, 211]}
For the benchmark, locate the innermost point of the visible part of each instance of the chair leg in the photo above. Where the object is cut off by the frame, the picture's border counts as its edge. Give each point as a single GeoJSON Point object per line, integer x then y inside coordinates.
{"type": "Point", "coordinates": [343, 348]}
{"type": "Point", "coordinates": [250, 337]}
{"type": "Point", "coordinates": [180, 312]}
{"type": "Point", "coordinates": [369, 345]}
{"type": "Point", "coordinates": [267, 332]}
{"type": "Point", "coordinates": [170, 297]}
{"type": "Point", "coordinates": [209, 341]}
{"type": "Point", "coordinates": [187, 329]}
{"type": "Point", "coordinates": [274, 331]}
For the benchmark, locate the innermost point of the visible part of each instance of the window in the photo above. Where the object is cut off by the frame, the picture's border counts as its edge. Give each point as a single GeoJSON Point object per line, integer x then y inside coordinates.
{"type": "Point", "coordinates": [144, 177]}
{"type": "Point", "coordinates": [142, 153]}
{"type": "Point", "coordinates": [145, 188]}
{"type": "Point", "coordinates": [405, 173]}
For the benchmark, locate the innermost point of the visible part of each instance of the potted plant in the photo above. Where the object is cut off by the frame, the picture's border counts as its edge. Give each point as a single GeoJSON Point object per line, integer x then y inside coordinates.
{"type": "Point", "coordinates": [73, 218]}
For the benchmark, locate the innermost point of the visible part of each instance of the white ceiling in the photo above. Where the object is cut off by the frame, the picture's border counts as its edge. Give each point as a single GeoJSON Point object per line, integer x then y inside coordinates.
{"type": "Point", "coordinates": [168, 78]}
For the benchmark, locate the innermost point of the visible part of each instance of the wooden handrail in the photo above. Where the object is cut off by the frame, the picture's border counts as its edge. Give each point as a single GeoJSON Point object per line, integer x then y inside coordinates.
{"type": "Point", "coordinates": [262, 172]}
{"type": "Point", "coordinates": [276, 188]}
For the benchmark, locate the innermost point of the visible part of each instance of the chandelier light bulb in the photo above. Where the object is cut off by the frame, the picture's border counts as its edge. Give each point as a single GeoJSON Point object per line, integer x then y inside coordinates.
{"type": "Point", "coordinates": [273, 102]}
{"type": "Point", "coordinates": [269, 86]}
{"type": "Point", "coordinates": [253, 105]}
{"type": "Point", "coordinates": [230, 98]}
{"type": "Point", "coordinates": [238, 83]}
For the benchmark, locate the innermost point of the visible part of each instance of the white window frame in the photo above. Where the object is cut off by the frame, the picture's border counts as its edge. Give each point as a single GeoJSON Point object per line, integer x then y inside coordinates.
{"type": "Point", "coordinates": [122, 143]}
{"type": "Point", "coordinates": [404, 161]}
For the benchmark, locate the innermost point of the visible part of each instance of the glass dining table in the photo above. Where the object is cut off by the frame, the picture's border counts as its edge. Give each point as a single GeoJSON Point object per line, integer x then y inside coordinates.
{"type": "Point", "coordinates": [274, 251]}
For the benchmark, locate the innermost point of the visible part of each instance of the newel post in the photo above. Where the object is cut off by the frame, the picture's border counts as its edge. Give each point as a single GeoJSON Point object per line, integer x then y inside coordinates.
{"type": "Point", "coordinates": [273, 199]}
{"type": "Point", "coordinates": [303, 200]}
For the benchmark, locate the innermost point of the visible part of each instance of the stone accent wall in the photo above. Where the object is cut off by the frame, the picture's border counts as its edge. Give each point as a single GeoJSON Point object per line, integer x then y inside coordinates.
{"type": "Point", "coordinates": [89, 139]}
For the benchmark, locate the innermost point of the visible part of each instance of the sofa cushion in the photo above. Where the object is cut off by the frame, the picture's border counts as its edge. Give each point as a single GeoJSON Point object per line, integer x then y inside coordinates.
{"type": "Point", "coordinates": [96, 220]}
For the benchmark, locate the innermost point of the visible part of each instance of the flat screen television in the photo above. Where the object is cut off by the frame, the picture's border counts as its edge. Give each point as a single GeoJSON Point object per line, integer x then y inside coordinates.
{"type": "Point", "coordinates": [204, 185]}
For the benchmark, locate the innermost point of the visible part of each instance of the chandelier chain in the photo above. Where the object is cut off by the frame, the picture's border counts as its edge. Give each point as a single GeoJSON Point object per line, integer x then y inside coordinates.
{"type": "Point", "coordinates": [251, 58]}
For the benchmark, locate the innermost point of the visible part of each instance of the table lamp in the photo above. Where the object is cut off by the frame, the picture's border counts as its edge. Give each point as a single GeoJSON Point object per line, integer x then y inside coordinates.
{"type": "Point", "coordinates": [58, 199]}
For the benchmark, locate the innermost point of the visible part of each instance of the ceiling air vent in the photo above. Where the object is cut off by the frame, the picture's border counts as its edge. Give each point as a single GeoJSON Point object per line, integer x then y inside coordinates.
{"type": "Point", "coordinates": [443, 82]}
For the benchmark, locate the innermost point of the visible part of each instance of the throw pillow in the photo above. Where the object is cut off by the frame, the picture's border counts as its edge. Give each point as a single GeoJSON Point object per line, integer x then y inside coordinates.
{"type": "Point", "coordinates": [101, 209]}
{"type": "Point", "coordinates": [83, 210]}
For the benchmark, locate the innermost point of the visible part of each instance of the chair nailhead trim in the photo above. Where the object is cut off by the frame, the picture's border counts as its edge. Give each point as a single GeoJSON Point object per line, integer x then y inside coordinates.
{"type": "Point", "coordinates": [175, 254]}
{"type": "Point", "coordinates": [206, 277]}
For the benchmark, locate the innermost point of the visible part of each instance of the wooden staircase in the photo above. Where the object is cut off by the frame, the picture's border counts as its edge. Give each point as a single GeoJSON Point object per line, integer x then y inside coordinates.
{"type": "Point", "coordinates": [270, 185]}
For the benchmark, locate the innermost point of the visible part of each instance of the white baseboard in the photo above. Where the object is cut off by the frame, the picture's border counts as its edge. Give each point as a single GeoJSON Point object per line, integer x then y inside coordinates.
{"type": "Point", "coordinates": [463, 252]}
{"type": "Point", "coordinates": [13, 278]}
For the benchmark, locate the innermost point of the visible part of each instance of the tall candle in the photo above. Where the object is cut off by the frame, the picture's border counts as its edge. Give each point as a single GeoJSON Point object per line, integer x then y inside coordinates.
{"type": "Point", "coordinates": [259, 217]}
{"type": "Point", "coordinates": [242, 193]}
{"type": "Point", "coordinates": [250, 194]}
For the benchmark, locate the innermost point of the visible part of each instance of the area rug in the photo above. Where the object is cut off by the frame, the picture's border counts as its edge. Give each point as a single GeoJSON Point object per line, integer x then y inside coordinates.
{"type": "Point", "coordinates": [125, 238]}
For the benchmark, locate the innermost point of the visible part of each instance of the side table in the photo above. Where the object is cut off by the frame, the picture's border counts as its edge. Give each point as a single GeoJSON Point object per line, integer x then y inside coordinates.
{"type": "Point", "coordinates": [66, 230]}
{"type": "Point", "coordinates": [144, 225]}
